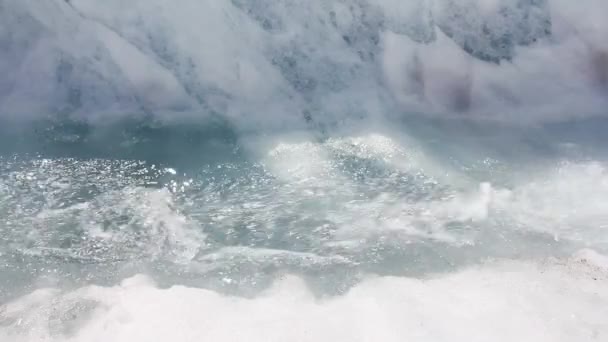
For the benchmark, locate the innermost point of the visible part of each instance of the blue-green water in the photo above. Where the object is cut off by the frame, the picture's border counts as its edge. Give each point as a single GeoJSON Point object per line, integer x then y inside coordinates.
{"type": "Point", "coordinates": [319, 171]}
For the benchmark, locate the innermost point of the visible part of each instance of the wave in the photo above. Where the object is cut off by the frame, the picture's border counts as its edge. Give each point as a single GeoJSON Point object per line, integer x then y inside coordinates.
{"type": "Point", "coordinates": [331, 210]}
{"type": "Point", "coordinates": [319, 170]}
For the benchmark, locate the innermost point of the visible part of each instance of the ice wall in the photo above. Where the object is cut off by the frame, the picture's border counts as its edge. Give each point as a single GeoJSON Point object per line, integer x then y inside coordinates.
{"type": "Point", "coordinates": [263, 62]}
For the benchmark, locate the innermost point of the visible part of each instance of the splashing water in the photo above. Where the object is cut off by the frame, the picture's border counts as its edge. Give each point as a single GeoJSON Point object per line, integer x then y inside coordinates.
{"type": "Point", "coordinates": [274, 170]}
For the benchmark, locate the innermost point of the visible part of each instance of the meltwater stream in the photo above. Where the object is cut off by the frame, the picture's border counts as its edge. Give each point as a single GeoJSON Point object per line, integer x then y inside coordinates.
{"type": "Point", "coordinates": [273, 170]}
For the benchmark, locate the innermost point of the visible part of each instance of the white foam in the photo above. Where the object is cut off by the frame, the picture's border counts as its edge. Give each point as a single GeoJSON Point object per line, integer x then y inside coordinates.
{"type": "Point", "coordinates": [153, 228]}
{"type": "Point", "coordinates": [569, 202]}
{"type": "Point", "coordinates": [315, 168]}
{"type": "Point", "coordinates": [507, 301]}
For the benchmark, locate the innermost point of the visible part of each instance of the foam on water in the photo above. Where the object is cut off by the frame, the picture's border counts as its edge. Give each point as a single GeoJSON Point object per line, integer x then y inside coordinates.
{"type": "Point", "coordinates": [376, 243]}
{"type": "Point", "coordinates": [561, 300]}
{"type": "Point", "coordinates": [274, 170]}
{"type": "Point", "coordinates": [344, 199]}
